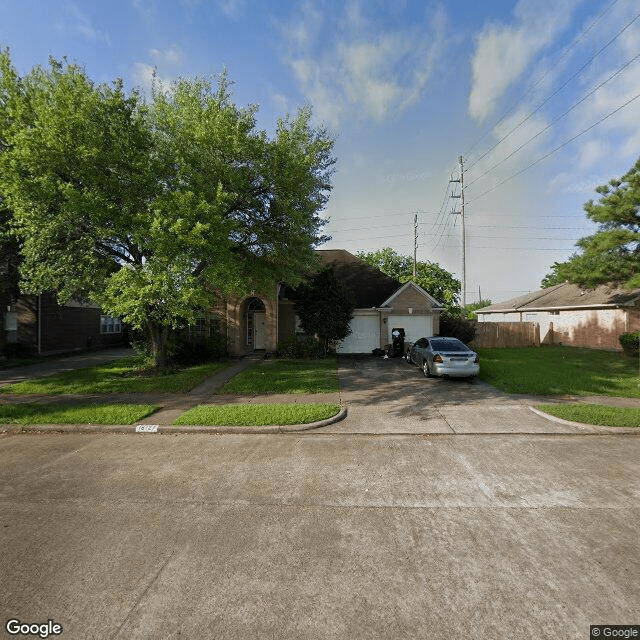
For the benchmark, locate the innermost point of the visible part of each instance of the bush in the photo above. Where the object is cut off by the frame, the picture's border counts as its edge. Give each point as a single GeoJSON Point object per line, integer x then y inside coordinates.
{"type": "Point", "coordinates": [461, 328]}
{"type": "Point", "coordinates": [630, 343]}
{"type": "Point", "coordinates": [295, 347]}
{"type": "Point", "coordinates": [184, 350]}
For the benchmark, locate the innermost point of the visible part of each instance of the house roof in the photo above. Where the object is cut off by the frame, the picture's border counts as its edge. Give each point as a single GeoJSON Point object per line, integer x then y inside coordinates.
{"type": "Point", "coordinates": [369, 285]}
{"type": "Point", "coordinates": [411, 285]}
{"type": "Point", "coordinates": [567, 296]}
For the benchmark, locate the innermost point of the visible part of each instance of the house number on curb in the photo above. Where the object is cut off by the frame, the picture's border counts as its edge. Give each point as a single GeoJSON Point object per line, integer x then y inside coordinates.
{"type": "Point", "coordinates": [147, 428]}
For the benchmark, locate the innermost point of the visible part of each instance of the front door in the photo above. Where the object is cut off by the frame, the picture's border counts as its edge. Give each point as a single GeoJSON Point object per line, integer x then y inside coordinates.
{"type": "Point", "coordinates": [260, 329]}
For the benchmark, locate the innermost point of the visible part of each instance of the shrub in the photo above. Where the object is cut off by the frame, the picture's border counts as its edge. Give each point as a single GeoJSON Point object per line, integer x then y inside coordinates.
{"type": "Point", "coordinates": [295, 347]}
{"type": "Point", "coordinates": [184, 350]}
{"type": "Point", "coordinates": [630, 343]}
{"type": "Point", "coordinates": [457, 327]}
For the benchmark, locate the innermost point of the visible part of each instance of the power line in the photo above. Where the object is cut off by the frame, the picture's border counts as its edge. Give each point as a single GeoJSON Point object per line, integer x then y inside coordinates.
{"type": "Point", "coordinates": [576, 104]}
{"type": "Point", "coordinates": [566, 52]}
{"type": "Point", "coordinates": [564, 144]}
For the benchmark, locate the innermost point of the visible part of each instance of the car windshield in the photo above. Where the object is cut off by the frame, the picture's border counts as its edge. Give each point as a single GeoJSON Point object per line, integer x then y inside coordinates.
{"type": "Point", "coordinates": [450, 344]}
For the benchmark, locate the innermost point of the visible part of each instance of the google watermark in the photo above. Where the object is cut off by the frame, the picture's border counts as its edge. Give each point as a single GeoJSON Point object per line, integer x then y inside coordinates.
{"type": "Point", "coordinates": [614, 631]}
{"type": "Point", "coordinates": [15, 627]}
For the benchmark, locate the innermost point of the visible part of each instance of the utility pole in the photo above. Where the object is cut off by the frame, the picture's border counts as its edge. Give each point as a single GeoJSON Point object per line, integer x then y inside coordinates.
{"type": "Point", "coordinates": [464, 237]}
{"type": "Point", "coordinates": [415, 244]}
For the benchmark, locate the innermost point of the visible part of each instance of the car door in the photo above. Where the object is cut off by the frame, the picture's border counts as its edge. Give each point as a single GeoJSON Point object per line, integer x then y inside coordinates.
{"type": "Point", "coordinates": [419, 351]}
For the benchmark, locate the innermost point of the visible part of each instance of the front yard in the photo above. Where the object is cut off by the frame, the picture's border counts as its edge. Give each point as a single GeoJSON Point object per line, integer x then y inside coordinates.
{"type": "Point", "coordinates": [128, 375]}
{"type": "Point", "coordinates": [567, 371]}
{"type": "Point", "coordinates": [287, 376]}
{"type": "Point", "coordinates": [561, 371]}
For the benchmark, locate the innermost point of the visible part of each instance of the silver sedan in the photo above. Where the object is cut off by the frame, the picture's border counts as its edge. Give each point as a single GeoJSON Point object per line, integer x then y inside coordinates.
{"type": "Point", "coordinates": [444, 357]}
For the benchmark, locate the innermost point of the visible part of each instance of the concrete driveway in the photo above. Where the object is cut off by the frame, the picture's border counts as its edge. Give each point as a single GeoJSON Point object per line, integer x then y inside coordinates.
{"type": "Point", "coordinates": [392, 396]}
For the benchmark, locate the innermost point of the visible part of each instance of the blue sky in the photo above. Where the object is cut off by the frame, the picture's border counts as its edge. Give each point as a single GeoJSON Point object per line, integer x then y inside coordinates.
{"type": "Point", "coordinates": [541, 99]}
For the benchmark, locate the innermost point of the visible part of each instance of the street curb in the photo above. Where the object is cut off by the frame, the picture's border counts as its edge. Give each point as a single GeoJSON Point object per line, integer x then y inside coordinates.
{"type": "Point", "coordinates": [168, 429]}
{"type": "Point", "coordinates": [584, 425]}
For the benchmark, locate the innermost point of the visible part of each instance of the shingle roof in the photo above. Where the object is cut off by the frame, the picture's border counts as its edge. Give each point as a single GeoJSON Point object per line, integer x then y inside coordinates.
{"type": "Point", "coordinates": [369, 285]}
{"type": "Point", "coordinates": [567, 296]}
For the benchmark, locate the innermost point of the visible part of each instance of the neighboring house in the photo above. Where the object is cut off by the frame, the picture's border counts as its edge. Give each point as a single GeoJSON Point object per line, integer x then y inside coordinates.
{"type": "Point", "coordinates": [39, 325]}
{"type": "Point", "coordinates": [569, 315]}
{"type": "Point", "coordinates": [259, 321]}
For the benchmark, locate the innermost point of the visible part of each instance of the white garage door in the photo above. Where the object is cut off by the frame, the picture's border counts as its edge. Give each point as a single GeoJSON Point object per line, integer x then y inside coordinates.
{"type": "Point", "coordinates": [364, 336]}
{"type": "Point", "coordinates": [415, 327]}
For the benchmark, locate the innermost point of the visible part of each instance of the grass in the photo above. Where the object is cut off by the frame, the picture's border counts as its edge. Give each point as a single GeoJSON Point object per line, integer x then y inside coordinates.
{"type": "Point", "coordinates": [595, 414]}
{"type": "Point", "coordinates": [257, 414]}
{"type": "Point", "coordinates": [560, 371]}
{"type": "Point", "coordinates": [122, 376]}
{"type": "Point", "coordinates": [287, 376]}
{"type": "Point", "coordinates": [28, 414]}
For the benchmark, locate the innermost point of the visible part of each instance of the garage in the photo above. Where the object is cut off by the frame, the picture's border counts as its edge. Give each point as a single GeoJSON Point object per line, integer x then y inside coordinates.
{"type": "Point", "coordinates": [415, 327]}
{"type": "Point", "coordinates": [365, 333]}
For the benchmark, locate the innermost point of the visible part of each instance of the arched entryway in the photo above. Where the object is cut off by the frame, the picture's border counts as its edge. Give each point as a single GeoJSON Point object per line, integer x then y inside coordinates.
{"type": "Point", "coordinates": [254, 320]}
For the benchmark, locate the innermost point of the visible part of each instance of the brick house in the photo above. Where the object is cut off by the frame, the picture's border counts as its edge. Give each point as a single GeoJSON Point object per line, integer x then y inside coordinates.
{"type": "Point", "coordinates": [39, 325]}
{"type": "Point", "coordinates": [263, 318]}
{"type": "Point", "coordinates": [569, 315]}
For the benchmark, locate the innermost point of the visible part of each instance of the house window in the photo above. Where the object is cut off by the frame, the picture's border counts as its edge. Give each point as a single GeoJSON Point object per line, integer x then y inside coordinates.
{"type": "Point", "coordinates": [554, 313]}
{"type": "Point", "coordinates": [205, 326]}
{"type": "Point", "coordinates": [109, 324]}
{"type": "Point", "coordinates": [199, 328]}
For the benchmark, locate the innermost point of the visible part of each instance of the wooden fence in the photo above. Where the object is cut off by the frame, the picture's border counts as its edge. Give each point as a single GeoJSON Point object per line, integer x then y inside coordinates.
{"type": "Point", "coordinates": [507, 334]}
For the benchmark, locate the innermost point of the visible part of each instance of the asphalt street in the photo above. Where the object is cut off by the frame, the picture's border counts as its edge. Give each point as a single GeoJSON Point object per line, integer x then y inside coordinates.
{"type": "Point", "coordinates": [357, 530]}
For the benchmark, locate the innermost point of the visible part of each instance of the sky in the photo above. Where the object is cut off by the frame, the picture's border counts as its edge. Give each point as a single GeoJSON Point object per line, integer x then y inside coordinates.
{"type": "Point", "coordinates": [540, 99]}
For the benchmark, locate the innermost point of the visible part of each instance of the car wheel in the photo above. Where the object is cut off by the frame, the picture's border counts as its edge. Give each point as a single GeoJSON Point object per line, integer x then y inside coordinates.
{"type": "Point", "coordinates": [409, 360]}
{"type": "Point", "coordinates": [425, 369]}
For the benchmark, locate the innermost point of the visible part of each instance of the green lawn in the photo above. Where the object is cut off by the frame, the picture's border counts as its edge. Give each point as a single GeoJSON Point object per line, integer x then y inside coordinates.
{"type": "Point", "coordinates": [560, 371]}
{"type": "Point", "coordinates": [122, 376]}
{"type": "Point", "coordinates": [287, 376]}
{"type": "Point", "coordinates": [27, 414]}
{"type": "Point", "coordinates": [257, 414]}
{"type": "Point", "coordinates": [595, 414]}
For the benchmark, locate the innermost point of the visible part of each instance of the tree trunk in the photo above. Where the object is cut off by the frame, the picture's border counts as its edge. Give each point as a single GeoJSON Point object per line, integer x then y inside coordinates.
{"type": "Point", "coordinates": [158, 335]}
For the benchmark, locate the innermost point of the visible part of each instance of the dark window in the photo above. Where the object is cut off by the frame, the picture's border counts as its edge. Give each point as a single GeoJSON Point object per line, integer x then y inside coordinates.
{"type": "Point", "coordinates": [448, 345]}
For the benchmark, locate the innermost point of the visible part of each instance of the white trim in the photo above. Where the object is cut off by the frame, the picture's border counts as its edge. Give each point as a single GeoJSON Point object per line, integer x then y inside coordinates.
{"type": "Point", "coordinates": [406, 285]}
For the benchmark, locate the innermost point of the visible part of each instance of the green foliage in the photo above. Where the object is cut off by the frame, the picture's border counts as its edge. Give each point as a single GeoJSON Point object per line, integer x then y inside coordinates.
{"type": "Point", "coordinates": [287, 376]}
{"type": "Point", "coordinates": [295, 348]}
{"type": "Point", "coordinates": [612, 254]}
{"type": "Point", "coordinates": [435, 280]}
{"type": "Point", "coordinates": [325, 307]}
{"type": "Point", "coordinates": [560, 371]}
{"type": "Point", "coordinates": [469, 310]}
{"type": "Point", "coordinates": [258, 414]}
{"type": "Point", "coordinates": [153, 210]}
{"type": "Point", "coordinates": [597, 414]}
{"type": "Point", "coordinates": [128, 375]}
{"type": "Point", "coordinates": [457, 327]}
{"type": "Point", "coordinates": [54, 413]}
{"type": "Point", "coordinates": [630, 343]}
{"type": "Point", "coordinates": [183, 349]}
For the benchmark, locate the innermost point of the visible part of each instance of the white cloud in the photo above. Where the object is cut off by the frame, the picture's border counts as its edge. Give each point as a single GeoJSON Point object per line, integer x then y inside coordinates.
{"type": "Point", "coordinates": [618, 126]}
{"type": "Point", "coordinates": [145, 76]}
{"type": "Point", "coordinates": [232, 8]}
{"type": "Point", "coordinates": [358, 68]}
{"type": "Point", "coordinates": [81, 23]}
{"type": "Point", "coordinates": [503, 52]}
{"type": "Point", "coordinates": [173, 54]}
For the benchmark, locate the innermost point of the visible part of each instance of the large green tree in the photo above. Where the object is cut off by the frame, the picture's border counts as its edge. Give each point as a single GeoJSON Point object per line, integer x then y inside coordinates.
{"type": "Point", "coordinates": [612, 254]}
{"type": "Point", "coordinates": [325, 307]}
{"type": "Point", "coordinates": [154, 209]}
{"type": "Point", "coordinates": [435, 280]}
